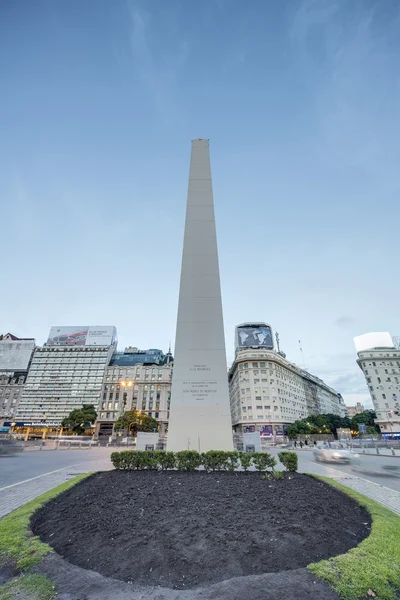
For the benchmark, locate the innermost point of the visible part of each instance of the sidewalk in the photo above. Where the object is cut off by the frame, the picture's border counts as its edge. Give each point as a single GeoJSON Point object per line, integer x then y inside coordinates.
{"type": "Point", "coordinates": [17, 494]}
{"type": "Point", "coordinates": [380, 493]}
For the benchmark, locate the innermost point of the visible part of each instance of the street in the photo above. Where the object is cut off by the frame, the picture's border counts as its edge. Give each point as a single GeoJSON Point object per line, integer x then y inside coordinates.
{"type": "Point", "coordinates": [26, 465]}
{"type": "Point", "coordinates": [26, 475]}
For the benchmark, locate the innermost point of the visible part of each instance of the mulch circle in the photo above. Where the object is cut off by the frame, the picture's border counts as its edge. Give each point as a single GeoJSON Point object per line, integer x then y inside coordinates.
{"type": "Point", "coordinates": [184, 530]}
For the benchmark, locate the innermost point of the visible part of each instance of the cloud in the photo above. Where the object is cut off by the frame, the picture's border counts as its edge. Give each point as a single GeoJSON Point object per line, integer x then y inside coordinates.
{"type": "Point", "coordinates": [156, 68]}
{"type": "Point", "coordinates": [345, 321]}
{"type": "Point", "coordinates": [349, 57]}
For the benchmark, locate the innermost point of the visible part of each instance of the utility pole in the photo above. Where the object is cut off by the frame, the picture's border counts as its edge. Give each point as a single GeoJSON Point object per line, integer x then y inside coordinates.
{"type": "Point", "coordinates": [277, 340]}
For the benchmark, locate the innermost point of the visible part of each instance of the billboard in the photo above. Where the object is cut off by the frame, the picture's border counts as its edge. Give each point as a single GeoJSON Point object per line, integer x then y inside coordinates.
{"type": "Point", "coordinates": [254, 335]}
{"type": "Point", "coordinates": [82, 335]}
{"type": "Point", "coordinates": [15, 354]}
{"type": "Point", "coordinates": [377, 339]}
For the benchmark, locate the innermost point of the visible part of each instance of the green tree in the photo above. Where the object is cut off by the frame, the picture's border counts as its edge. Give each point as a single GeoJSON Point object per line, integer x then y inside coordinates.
{"type": "Point", "coordinates": [301, 427]}
{"type": "Point", "coordinates": [81, 418]}
{"type": "Point", "coordinates": [366, 417]}
{"type": "Point", "coordinates": [133, 421]}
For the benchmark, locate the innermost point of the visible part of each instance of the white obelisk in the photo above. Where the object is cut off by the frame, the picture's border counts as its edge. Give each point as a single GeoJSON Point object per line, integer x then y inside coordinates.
{"type": "Point", "coordinates": [200, 417]}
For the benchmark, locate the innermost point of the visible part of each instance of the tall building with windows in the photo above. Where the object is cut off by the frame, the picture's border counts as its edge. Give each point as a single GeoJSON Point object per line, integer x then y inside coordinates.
{"type": "Point", "coordinates": [15, 357]}
{"type": "Point", "coordinates": [380, 364]}
{"type": "Point", "coordinates": [267, 393]}
{"type": "Point", "coordinates": [64, 374]}
{"type": "Point", "coordinates": [139, 380]}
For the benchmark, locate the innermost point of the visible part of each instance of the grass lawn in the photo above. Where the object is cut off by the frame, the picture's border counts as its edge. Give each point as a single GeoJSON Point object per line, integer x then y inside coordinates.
{"type": "Point", "coordinates": [20, 547]}
{"type": "Point", "coordinates": [371, 569]}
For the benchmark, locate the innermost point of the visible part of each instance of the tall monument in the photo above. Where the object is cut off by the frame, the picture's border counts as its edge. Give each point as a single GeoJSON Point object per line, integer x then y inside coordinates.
{"type": "Point", "coordinates": [200, 417]}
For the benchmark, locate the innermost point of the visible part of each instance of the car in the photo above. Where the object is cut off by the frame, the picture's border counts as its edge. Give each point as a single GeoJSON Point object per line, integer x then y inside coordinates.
{"type": "Point", "coordinates": [334, 452]}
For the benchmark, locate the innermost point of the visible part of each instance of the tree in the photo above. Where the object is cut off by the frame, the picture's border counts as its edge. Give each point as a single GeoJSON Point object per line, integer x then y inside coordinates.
{"type": "Point", "coordinates": [133, 421]}
{"type": "Point", "coordinates": [327, 423]}
{"type": "Point", "coordinates": [81, 418]}
{"type": "Point", "coordinates": [367, 417]}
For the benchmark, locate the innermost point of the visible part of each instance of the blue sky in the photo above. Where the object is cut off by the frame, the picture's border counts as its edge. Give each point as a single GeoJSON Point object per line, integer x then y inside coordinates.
{"type": "Point", "coordinates": [300, 101]}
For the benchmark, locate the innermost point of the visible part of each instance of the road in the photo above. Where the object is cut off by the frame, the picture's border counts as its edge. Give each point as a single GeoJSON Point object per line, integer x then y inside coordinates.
{"type": "Point", "coordinates": [26, 475]}
{"type": "Point", "coordinates": [363, 468]}
{"type": "Point", "coordinates": [26, 465]}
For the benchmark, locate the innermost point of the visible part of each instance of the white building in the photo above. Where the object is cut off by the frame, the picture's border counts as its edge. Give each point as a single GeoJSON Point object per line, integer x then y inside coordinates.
{"type": "Point", "coordinates": [267, 393]}
{"type": "Point", "coordinates": [15, 357]}
{"type": "Point", "coordinates": [142, 387]}
{"type": "Point", "coordinates": [64, 374]}
{"type": "Point", "coordinates": [381, 368]}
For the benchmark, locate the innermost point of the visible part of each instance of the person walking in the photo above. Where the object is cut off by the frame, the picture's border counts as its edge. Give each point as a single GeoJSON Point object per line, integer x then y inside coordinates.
{"type": "Point", "coordinates": [295, 444]}
{"type": "Point", "coordinates": [301, 445]}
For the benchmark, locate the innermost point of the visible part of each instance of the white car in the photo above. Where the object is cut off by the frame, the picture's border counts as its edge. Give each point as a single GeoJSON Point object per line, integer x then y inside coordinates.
{"type": "Point", "coordinates": [334, 452]}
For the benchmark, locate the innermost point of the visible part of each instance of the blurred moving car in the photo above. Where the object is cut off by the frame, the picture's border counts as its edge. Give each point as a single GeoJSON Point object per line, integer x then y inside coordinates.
{"type": "Point", "coordinates": [334, 452]}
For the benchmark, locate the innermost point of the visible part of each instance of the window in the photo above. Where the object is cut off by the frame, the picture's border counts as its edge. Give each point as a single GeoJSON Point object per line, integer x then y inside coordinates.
{"type": "Point", "coordinates": [259, 407]}
{"type": "Point", "coordinates": [254, 364]}
{"type": "Point", "coordinates": [384, 396]}
{"type": "Point", "coordinates": [276, 408]}
{"type": "Point", "coordinates": [268, 407]}
{"type": "Point", "coordinates": [110, 405]}
{"type": "Point", "coordinates": [116, 404]}
{"type": "Point", "coordinates": [262, 364]}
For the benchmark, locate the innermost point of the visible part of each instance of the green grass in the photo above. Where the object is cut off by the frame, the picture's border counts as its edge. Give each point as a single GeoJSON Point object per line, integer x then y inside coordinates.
{"type": "Point", "coordinates": [28, 587]}
{"type": "Point", "coordinates": [19, 547]}
{"type": "Point", "coordinates": [372, 565]}
{"type": "Point", "coordinates": [16, 541]}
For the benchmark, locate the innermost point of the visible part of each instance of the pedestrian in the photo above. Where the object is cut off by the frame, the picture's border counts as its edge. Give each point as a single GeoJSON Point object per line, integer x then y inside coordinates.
{"type": "Point", "coordinates": [301, 445]}
{"type": "Point", "coordinates": [315, 443]}
{"type": "Point", "coordinates": [295, 444]}
{"type": "Point", "coordinates": [306, 442]}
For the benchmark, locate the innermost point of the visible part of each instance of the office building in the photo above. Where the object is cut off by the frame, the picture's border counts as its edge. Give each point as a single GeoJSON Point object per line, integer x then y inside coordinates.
{"type": "Point", "coordinates": [64, 374]}
{"type": "Point", "coordinates": [15, 357]}
{"type": "Point", "coordinates": [129, 385]}
{"type": "Point", "coordinates": [355, 410]}
{"type": "Point", "coordinates": [267, 393]}
{"type": "Point", "coordinates": [379, 360]}
{"type": "Point", "coordinates": [200, 416]}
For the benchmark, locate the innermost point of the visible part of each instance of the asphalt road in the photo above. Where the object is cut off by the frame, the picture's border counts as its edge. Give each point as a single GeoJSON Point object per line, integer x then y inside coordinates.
{"type": "Point", "coordinates": [364, 467]}
{"type": "Point", "coordinates": [26, 465]}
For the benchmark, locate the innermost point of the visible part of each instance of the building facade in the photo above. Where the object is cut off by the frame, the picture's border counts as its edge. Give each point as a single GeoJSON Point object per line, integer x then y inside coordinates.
{"type": "Point", "coordinates": [67, 372]}
{"type": "Point", "coordinates": [355, 410]}
{"type": "Point", "coordinates": [136, 386]}
{"type": "Point", "coordinates": [267, 393]}
{"type": "Point", "coordinates": [15, 358]}
{"type": "Point", "coordinates": [381, 368]}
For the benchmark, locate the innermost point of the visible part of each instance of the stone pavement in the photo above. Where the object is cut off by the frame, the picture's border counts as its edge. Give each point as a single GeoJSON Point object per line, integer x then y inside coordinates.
{"type": "Point", "coordinates": [17, 494]}
{"type": "Point", "coordinates": [380, 493]}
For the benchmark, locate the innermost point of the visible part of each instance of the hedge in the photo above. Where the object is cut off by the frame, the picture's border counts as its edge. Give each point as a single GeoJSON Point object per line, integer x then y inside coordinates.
{"type": "Point", "coordinates": [289, 460]}
{"type": "Point", "coordinates": [190, 460]}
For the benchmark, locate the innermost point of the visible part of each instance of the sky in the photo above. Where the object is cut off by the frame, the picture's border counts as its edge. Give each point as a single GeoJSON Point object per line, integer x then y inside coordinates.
{"type": "Point", "coordinates": [300, 100]}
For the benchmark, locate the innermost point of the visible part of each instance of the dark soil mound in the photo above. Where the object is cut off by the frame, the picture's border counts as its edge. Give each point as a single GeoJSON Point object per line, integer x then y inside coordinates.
{"type": "Point", "coordinates": [182, 530]}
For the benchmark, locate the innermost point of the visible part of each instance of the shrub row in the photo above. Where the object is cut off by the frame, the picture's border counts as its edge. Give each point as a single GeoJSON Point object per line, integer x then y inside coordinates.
{"type": "Point", "coordinates": [190, 460]}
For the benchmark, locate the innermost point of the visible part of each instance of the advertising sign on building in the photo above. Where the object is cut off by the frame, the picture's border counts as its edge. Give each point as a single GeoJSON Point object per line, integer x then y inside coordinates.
{"type": "Point", "coordinates": [15, 354]}
{"type": "Point", "coordinates": [82, 335]}
{"type": "Point", "coordinates": [266, 431]}
{"type": "Point", "coordinates": [362, 428]}
{"type": "Point", "coordinates": [254, 335]}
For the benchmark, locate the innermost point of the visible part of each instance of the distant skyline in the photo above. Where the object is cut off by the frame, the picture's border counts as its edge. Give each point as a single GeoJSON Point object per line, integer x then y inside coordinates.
{"type": "Point", "coordinates": [300, 101]}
